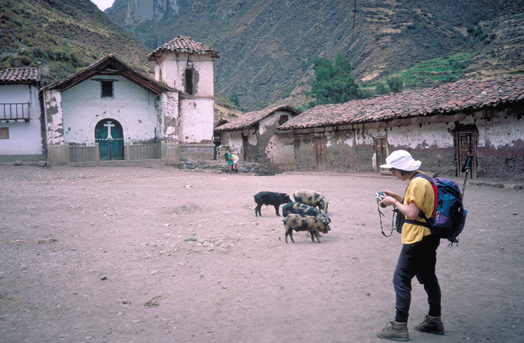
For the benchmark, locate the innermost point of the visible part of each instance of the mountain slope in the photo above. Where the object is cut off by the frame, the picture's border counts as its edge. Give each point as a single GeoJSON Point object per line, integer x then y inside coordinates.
{"type": "Point", "coordinates": [501, 49]}
{"type": "Point", "coordinates": [61, 36]}
{"type": "Point", "coordinates": [267, 46]}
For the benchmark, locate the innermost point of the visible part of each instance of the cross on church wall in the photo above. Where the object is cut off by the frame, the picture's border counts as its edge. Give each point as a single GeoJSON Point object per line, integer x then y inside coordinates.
{"type": "Point", "coordinates": [109, 124]}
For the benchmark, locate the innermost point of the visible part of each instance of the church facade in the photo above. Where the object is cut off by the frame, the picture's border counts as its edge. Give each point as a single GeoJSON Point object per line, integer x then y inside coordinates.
{"type": "Point", "coordinates": [109, 112]}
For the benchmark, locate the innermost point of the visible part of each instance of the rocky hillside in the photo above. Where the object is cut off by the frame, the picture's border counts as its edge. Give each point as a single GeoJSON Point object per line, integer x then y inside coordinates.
{"type": "Point", "coordinates": [267, 46]}
{"type": "Point", "coordinates": [501, 47]}
{"type": "Point", "coordinates": [61, 36]}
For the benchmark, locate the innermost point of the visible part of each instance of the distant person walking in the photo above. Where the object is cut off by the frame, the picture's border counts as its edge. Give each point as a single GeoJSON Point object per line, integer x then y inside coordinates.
{"type": "Point", "coordinates": [418, 256]}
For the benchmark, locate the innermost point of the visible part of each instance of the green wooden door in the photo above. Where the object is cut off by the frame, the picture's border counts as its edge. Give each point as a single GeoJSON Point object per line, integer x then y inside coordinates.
{"type": "Point", "coordinates": [110, 138]}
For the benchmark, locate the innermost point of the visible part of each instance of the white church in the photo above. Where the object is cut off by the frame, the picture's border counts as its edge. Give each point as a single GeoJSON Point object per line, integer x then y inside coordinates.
{"type": "Point", "coordinates": [109, 112]}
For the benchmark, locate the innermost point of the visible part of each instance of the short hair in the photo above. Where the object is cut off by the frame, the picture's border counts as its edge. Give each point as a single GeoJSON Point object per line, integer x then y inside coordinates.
{"type": "Point", "coordinates": [402, 172]}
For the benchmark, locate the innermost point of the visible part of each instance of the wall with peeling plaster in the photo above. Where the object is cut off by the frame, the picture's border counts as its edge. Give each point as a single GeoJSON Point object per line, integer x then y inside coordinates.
{"type": "Point", "coordinates": [171, 68]}
{"type": "Point", "coordinates": [500, 145]}
{"type": "Point", "coordinates": [263, 145]}
{"type": "Point", "coordinates": [234, 140]}
{"type": "Point", "coordinates": [53, 114]}
{"type": "Point", "coordinates": [169, 108]}
{"type": "Point", "coordinates": [135, 108]}
{"type": "Point", "coordinates": [280, 151]}
{"type": "Point", "coordinates": [25, 138]}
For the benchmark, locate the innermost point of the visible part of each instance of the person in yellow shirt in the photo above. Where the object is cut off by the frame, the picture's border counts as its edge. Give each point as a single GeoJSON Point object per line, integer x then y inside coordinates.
{"type": "Point", "coordinates": [418, 256]}
{"type": "Point", "coordinates": [234, 167]}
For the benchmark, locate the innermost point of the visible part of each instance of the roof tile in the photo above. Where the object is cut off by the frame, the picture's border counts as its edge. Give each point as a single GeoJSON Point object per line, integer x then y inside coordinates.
{"type": "Point", "coordinates": [19, 75]}
{"type": "Point", "coordinates": [183, 44]}
{"type": "Point", "coordinates": [249, 119]}
{"type": "Point", "coordinates": [449, 98]}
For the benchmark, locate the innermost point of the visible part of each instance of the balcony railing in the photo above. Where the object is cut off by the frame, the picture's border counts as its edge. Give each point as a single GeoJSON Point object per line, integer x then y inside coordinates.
{"type": "Point", "coordinates": [14, 111]}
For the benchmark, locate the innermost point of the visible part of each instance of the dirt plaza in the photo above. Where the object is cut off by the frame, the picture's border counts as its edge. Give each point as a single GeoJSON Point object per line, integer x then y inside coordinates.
{"type": "Point", "coordinates": [135, 254]}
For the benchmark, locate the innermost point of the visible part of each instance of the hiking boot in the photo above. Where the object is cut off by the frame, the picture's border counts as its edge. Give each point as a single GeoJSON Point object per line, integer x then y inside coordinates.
{"type": "Point", "coordinates": [395, 331]}
{"type": "Point", "coordinates": [431, 324]}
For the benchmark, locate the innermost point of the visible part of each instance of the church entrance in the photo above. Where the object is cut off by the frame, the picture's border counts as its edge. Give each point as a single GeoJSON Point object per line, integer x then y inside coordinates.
{"type": "Point", "coordinates": [110, 138]}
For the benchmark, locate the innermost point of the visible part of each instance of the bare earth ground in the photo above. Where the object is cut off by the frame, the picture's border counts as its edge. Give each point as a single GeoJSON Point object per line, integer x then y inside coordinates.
{"type": "Point", "coordinates": [163, 255]}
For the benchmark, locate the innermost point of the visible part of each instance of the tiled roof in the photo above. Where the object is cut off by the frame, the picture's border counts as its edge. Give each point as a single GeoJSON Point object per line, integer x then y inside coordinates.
{"type": "Point", "coordinates": [109, 64]}
{"type": "Point", "coordinates": [19, 75]}
{"type": "Point", "coordinates": [183, 44]}
{"type": "Point", "coordinates": [450, 98]}
{"type": "Point", "coordinates": [249, 119]}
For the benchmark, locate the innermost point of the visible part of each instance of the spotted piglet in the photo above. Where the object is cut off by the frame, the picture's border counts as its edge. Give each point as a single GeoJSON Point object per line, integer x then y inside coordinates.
{"type": "Point", "coordinates": [298, 223]}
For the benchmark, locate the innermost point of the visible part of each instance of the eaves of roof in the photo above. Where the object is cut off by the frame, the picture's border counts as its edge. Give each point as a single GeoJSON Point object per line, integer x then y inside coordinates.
{"type": "Point", "coordinates": [109, 65]}
{"type": "Point", "coordinates": [461, 96]}
{"type": "Point", "coordinates": [25, 75]}
{"type": "Point", "coordinates": [250, 119]}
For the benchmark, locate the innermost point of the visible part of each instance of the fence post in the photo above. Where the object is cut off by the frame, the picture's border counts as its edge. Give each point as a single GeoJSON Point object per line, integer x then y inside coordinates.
{"type": "Point", "coordinates": [127, 152]}
{"type": "Point", "coordinates": [97, 153]}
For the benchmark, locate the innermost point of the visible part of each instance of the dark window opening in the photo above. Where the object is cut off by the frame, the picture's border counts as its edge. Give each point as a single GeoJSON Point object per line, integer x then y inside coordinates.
{"type": "Point", "coordinates": [107, 89]}
{"type": "Point", "coordinates": [189, 81]}
{"type": "Point", "coordinates": [283, 119]}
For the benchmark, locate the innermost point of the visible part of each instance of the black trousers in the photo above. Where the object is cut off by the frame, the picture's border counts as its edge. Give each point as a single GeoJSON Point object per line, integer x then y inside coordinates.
{"type": "Point", "coordinates": [417, 259]}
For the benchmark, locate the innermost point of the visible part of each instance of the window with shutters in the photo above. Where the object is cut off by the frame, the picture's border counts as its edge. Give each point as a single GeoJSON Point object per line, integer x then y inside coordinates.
{"type": "Point", "coordinates": [4, 133]}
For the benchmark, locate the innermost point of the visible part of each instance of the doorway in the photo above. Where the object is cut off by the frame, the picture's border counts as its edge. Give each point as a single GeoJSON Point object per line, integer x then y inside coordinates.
{"type": "Point", "coordinates": [245, 147]}
{"type": "Point", "coordinates": [466, 145]}
{"type": "Point", "coordinates": [110, 138]}
{"type": "Point", "coordinates": [381, 152]}
{"type": "Point", "coordinates": [321, 155]}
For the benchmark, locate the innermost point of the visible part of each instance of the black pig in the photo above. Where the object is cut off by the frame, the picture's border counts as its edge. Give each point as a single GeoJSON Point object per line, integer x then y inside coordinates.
{"type": "Point", "coordinates": [270, 198]}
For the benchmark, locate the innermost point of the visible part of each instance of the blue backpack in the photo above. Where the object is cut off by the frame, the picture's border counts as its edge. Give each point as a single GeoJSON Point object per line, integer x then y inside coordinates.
{"type": "Point", "coordinates": [449, 217]}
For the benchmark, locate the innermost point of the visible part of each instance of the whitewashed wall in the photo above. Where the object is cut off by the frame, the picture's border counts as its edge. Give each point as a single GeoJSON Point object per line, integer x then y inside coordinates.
{"type": "Point", "coordinates": [25, 138]}
{"type": "Point", "coordinates": [171, 68]}
{"type": "Point", "coordinates": [234, 140]}
{"type": "Point", "coordinates": [134, 107]}
{"type": "Point", "coordinates": [196, 120]}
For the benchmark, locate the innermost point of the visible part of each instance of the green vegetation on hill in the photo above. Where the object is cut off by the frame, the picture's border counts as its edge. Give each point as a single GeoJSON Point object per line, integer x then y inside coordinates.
{"type": "Point", "coordinates": [333, 83]}
{"type": "Point", "coordinates": [428, 73]}
{"type": "Point", "coordinates": [61, 37]}
{"type": "Point", "coordinates": [267, 47]}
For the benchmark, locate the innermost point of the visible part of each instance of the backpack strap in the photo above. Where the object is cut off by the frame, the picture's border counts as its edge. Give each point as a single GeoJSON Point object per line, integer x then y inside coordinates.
{"type": "Point", "coordinates": [422, 214]}
{"type": "Point", "coordinates": [435, 190]}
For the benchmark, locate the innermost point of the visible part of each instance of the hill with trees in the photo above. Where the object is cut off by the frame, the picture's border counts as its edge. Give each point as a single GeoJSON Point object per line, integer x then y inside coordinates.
{"type": "Point", "coordinates": [269, 48]}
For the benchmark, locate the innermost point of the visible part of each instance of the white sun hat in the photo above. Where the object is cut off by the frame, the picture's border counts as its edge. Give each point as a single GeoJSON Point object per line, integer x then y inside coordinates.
{"type": "Point", "coordinates": [401, 159]}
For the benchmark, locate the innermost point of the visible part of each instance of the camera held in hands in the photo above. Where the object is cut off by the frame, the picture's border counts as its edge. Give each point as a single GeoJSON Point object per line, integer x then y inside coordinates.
{"type": "Point", "coordinates": [379, 198]}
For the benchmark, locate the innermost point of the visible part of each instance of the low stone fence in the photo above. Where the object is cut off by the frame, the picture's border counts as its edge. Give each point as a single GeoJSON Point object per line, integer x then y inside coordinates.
{"type": "Point", "coordinates": [221, 166]}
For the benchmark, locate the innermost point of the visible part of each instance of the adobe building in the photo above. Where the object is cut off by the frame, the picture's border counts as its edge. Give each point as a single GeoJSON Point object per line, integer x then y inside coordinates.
{"type": "Point", "coordinates": [252, 136]}
{"type": "Point", "coordinates": [440, 126]}
{"type": "Point", "coordinates": [109, 112]}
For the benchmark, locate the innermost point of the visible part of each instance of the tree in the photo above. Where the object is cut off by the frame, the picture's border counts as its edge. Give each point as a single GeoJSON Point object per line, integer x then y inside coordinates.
{"type": "Point", "coordinates": [234, 99]}
{"type": "Point", "coordinates": [333, 83]}
{"type": "Point", "coordinates": [396, 84]}
{"type": "Point", "coordinates": [381, 89]}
